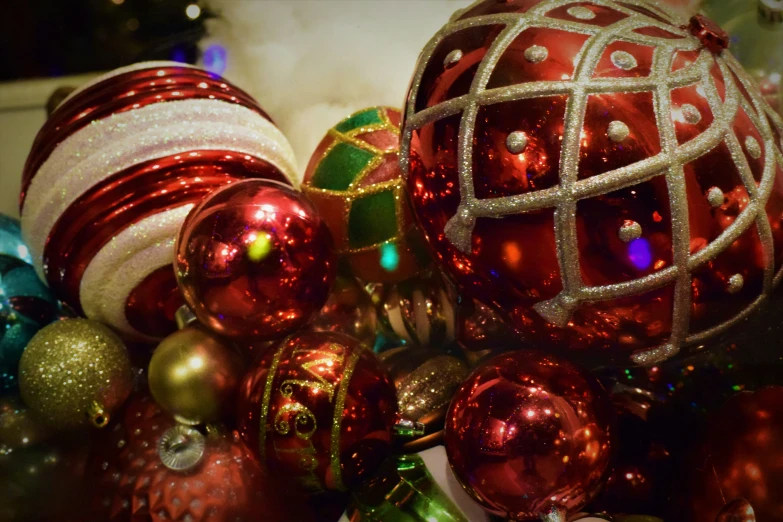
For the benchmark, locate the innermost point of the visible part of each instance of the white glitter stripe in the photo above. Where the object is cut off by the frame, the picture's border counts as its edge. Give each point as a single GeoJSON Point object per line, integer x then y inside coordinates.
{"type": "Point", "coordinates": [124, 262]}
{"type": "Point", "coordinates": [127, 69]}
{"type": "Point", "coordinates": [123, 140]}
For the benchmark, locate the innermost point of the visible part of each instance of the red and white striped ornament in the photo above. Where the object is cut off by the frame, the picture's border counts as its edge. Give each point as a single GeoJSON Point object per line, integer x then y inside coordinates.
{"type": "Point", "coordinates": [113, 173]}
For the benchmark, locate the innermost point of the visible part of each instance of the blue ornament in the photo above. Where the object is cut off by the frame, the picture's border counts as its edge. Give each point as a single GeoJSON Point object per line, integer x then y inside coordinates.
{"type": "Point", "coordinates": [26, 304]}
{"type": "Point", "coordinates": [11, 242]}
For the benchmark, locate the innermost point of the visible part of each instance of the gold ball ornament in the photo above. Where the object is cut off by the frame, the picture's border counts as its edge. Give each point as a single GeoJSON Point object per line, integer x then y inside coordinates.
{"type": "Point", "coordinates": [75, 373]}
{"type": "Point", "coordinates": [194, 375]}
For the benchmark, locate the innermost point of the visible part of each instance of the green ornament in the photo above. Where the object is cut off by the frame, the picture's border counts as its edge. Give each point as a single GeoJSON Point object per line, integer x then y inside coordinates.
{"type": "Point", "coordinates": [404, 491]}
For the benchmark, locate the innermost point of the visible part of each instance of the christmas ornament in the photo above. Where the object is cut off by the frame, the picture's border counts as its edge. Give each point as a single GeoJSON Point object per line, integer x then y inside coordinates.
{"type": "Point", "coordinates": [318, 408]}
{"type": "Point", "coordinates": [609, 181]}
{"type": "Point", "coordinates": [738, 510]}
{"type": "Point", "coordinates": [405, 490]}
{"type": "Point", "coordinates": [194, 376]}
{"type": "Point", "coordinates": [745, 454]}
{"type": "Point", "coordinates": [18, 428]}
{"type": "Point", "coordinates": [11, 242]}
{"type": "Point", "coordinates": [528, 435]}
{"type": "Point", "coordinates": [254, 260]}
{"type": "Point", "coordinates": [348, 310]}
{"type": "Point", "coordinates": [419, 310]}
{"type": "Point", "coordinates": [354, 180]}
{"type": "Point", "coordinates": [425, 383]}
{"type": "Point", "coordinates": [480, 328]}
{"type": "Point", "coordinates": [115, 170]}
{"type": "Point", "coordinates": [148, 468]}
{"type": "Point", "coordinates": [26, 305]}
{"type": "Point", "coordinates": [73, 373]}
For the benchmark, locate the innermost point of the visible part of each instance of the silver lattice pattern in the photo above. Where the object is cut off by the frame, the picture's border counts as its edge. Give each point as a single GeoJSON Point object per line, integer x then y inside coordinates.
{"type": "Point", "coordinates": [669, 162]}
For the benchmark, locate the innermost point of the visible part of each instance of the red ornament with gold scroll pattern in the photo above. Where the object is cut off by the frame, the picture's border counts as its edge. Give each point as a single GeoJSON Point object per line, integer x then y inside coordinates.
{"type": "Point", "coordinates": [596, 173]}
{"type": "Point", "coordinates": [319, 408]}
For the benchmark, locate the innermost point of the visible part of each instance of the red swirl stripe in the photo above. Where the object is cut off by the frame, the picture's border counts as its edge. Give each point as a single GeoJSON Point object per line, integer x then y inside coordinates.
{"type": "Point", "coordinates": [134, 194]}
{"type": "Point", "coordinates": [125, 92]}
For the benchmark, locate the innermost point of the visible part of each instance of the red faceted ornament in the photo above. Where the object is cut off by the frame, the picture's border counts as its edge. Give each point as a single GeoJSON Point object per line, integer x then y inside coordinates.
{"type": "Point", "coordinates": [319, 408]}
{"type": "Point", "coordinates": [527, 434]}
{"type": "Point", "coordinates": [147, 468]}
{"type": "Point", "coordinates": [115, 170]}
{"type": "Point", "coordinates": [254, 260]}
{"type": "Point", "coordinates": [596, 174]}
{"type": "Point", "coordinates": [745, 457]}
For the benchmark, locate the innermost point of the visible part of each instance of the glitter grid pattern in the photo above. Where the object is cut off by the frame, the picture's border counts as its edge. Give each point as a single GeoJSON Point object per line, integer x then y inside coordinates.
{"type": "Point", "coordinates": [669, 162]}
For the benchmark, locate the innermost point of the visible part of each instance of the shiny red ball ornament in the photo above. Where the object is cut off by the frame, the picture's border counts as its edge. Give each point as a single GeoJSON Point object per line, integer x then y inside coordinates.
{"type": "Point", "coordinates": [604, 178]}
{"type": "Point", "coordinates": [148, 468]}
{"type": "Point", "coordinates": [745, 456]}
{"type": "Point", "coordinates": [527, 434]}
{"type": "Point", "coordinates": [318, 408]}
{"type": "Point", "coordinates": [254, 260]}
{"type": "Point", "coordinates": [113, 173]}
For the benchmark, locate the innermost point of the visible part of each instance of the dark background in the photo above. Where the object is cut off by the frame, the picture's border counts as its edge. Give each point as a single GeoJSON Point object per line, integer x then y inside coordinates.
{"type": "Point", "coordinates": [45, 38]}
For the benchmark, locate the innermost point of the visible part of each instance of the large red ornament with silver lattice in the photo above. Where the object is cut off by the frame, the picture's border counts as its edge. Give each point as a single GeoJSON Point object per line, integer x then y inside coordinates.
{"type": "Point", "coordinates": [603, 173]}
{"type": "Point", "coordinates": [113, 173]}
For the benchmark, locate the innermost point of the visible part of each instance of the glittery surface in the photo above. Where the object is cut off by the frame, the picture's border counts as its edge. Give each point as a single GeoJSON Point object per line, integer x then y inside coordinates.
{"type": "Point", "coordinates": [117, 143]}
{"type": "Point", "coordinates": [68, 366]}
{"type": "Point", "coordinates": [429, 387]}
{"type": "Point", "coordinates": [318, 408]}
{"type": "Point", "coordinates": [354, 180]}
{"type": "Point", "coordinates": [124, 262]}
{"type": "Point", "coordinates": [701, 105]}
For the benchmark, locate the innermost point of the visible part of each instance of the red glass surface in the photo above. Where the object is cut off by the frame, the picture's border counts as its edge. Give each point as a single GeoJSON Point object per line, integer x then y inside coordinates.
{"type": "Point", "coordinates": [709, 33]}
{"type": "Point", "coordinates": [292, 394]}
{"type": "Point", "coordinates": [129, 196]}
{"type": "Point", "coordinates": [513, 68]}
{"type": "Point", "coordinates": [255, 259]}
{"type": "Point", "coordinates": [526, 432]}
{"type": "Point", "coordinates": [128, 482]}
{"type": "Point", "coordinates": [152, 305]}
{"type": "Point", "coordinates": [126, 92]}
{"type": "Point", "coordinates": [604, 16]}
{"type": "Point", "coordinates": [498, 172]}
{"type": "Point", "coordinates": [513, 263]}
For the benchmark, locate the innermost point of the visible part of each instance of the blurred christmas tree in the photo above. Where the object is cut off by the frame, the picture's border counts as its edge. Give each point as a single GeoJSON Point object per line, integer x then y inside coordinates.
{"type": "Point", "coordinates": [56, 38]}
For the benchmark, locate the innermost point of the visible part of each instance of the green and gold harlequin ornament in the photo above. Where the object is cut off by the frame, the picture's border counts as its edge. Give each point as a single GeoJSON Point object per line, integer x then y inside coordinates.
{"type": "Point", "coordinates": [354, 179]}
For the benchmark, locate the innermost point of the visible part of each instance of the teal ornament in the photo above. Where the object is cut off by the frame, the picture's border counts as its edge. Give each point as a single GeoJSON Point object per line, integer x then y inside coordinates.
{"type": "Point", "coordinates": [11, 242]}
{"type": "Point", "coordinates": [26, 304]}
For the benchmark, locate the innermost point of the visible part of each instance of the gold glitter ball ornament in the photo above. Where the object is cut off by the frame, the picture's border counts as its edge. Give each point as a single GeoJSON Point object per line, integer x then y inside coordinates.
{"type": "Point", "coordinates": [75, 373]}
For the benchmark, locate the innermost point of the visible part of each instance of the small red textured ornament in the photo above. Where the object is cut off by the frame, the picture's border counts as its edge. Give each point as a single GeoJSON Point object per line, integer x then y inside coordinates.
{"type": "Point", "coordinates": [147, 468]}
{"type": "Point", "coordinates": [608, 181]}
{"type": "Point", "coordinates": [709, 33]}
{"type": "Point", "coordinates": [115, 170]}
{"type": "Point", "coordinates": [527, 434]}
{"type": "Point", "coordinates": [255, 260]}
{"type": "Point", "coordinates": [354, 180]}
{"type": "Point", "coordinates": [319, 408]}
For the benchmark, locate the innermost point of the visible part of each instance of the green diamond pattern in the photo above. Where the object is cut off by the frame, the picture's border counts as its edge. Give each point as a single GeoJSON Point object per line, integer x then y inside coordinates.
{"type": "Point", "coordinates": [340, 167]}
{"type": "Point", "coordinates": [362, 119]}
{"type": "Point", "coordinates": [372, 219]}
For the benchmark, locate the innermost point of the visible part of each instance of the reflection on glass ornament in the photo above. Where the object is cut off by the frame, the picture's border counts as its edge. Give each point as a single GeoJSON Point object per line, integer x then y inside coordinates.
{"type": "Point", "coordinates": [615, 191]}
{"type": "Point", "coordinates": [26, 304]}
